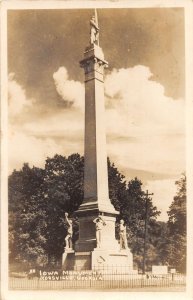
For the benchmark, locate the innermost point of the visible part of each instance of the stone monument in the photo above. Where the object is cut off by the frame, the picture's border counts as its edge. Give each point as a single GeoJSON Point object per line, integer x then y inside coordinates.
{"type": "Point", "coordinates": [96, 246]}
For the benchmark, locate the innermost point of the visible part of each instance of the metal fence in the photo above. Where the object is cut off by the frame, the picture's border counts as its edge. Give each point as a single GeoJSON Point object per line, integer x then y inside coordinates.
{"type": "Point", "coordinates": [99, 279]}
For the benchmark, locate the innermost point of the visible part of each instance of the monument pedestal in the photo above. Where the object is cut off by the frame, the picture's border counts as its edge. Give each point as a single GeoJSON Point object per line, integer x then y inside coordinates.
{"type": "Point", "coordinates": [119, 261]}
{"type": "Point", "coordinates": [68, 259]}
{"type": "Point", "coordinates": [87, 233]}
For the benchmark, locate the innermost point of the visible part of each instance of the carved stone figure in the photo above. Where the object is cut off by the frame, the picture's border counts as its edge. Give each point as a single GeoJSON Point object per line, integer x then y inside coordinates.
{"type": "Point", "coordinates": [68, 238]}
{"type": "Point", "coordinates": [99, 223]}
{"type": "Point", "coordinates": [123, 235]}
{"type": "Point", "coordinates": [94, 31]}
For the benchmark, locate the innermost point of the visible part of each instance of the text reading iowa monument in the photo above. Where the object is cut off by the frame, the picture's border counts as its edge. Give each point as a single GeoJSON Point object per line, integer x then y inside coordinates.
{"type": "Point", "coordinates": [96, 245]}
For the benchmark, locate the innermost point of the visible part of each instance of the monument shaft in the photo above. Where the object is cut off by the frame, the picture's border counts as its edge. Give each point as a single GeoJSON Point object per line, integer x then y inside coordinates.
{"type": "Point", "coordinates": [95, 172]}
{"type": "Point", "coordinates": [96, 193]}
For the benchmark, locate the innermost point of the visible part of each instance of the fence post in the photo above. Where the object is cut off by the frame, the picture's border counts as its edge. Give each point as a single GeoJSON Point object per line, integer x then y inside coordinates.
{"type": "Point", "coordinates": [141, 280]}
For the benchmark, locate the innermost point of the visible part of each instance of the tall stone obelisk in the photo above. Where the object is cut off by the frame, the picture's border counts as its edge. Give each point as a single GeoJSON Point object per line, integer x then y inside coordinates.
{"type": "Point", "coordinates": [95, 248]}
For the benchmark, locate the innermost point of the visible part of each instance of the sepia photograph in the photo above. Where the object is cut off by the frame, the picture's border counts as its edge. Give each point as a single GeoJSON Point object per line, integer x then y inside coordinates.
{"type": "Point", "coordinates": [95, 123]}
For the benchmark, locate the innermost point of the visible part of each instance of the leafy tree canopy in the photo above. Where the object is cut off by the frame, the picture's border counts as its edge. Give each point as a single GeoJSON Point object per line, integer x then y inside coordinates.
{"type": "Point", "coordinates": [176, 246]}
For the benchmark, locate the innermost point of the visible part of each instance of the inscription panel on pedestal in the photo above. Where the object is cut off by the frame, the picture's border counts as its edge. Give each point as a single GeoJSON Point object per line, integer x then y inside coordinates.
{"type": "Point", "coordinates": [87, 229]}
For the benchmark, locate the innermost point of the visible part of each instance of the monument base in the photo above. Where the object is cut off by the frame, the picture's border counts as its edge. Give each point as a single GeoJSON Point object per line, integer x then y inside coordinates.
{"type": "Point", "coordinates": [100, 259]}
{"type": "Point", "coordinates": [116, 261]}
{"type": "Point", "coordinates": [68, 259]}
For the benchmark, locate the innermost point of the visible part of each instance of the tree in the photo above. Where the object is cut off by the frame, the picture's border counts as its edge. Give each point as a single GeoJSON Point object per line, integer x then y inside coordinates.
{"type": "Point", "coordinates": [62, 192]}
{"type": "Point", "coordinates": [176, 248]}
{"type": "Point", "coordinates": [134, 212]}
{"type": "Point", "coordinates": [129, 198]}
{"type": "Point", "coordinates": [38, 200]}
{"type": "Point", "coordinates": [161, 243]}
{"type": "Point", "coordinates": [177, 210]}
{"type": "Point", "coordinates": [26, 216]}
{"type": "Point", "coordinates": [117, 185]}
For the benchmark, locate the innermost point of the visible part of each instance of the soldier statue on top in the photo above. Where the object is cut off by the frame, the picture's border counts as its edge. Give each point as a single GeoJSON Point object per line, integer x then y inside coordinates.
{"type": "Point", "coordinates": [94, 31]}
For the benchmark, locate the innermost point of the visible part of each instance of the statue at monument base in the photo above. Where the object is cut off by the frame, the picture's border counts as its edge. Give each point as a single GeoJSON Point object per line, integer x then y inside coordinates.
{"type": "Point", "coordinates": [100, 223]}
{"type": "Point", "coordinates": [68, 238]}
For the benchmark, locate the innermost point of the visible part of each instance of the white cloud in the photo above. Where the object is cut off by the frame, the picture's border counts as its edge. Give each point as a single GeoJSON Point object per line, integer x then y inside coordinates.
{"type": "Point", "coordinates": [71, 91]}
{"type": "Point", "coordinates": [164, 192]}
{"type": "Point", "coordinates": [161, 154]}
{"type": "Point", "coordinates": [139, 109]}
{"type": "Point", "coordinates": [35, 140]}
{"type": "Point", "coordinates": [29, 149]}
{"type": "Point", "coordinates": [16, 97]}
{"type": "Point", "coordinates": [67, 123]}
{"type": "Point", "coordinates": [35, 150]}
{"type": "Point", "coordinates": [138, 105]}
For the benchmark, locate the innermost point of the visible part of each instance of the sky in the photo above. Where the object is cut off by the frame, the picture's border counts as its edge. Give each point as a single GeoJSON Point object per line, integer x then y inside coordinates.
{"type": "Point", "coordinates": [143, 85]}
